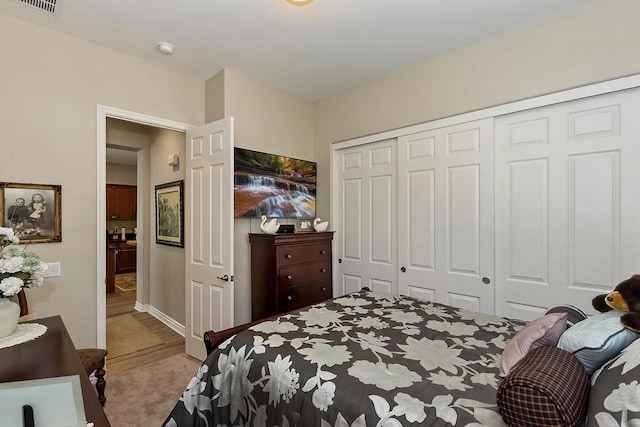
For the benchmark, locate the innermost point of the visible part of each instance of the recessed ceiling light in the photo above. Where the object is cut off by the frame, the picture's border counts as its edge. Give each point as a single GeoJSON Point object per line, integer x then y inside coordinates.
{"type": "Point", "coordinates": [299, 2]}
{"type": "Point", "coordinates": [166, 48]}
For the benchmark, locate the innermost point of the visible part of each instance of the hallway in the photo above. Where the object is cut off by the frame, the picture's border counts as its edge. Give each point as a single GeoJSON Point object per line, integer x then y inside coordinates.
{"type": "Point", "coordinates": [134, 338]}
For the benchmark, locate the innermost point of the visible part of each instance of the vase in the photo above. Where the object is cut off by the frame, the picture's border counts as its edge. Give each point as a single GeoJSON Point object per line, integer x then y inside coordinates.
{"type": "Point", "coordinates": [9, 315]}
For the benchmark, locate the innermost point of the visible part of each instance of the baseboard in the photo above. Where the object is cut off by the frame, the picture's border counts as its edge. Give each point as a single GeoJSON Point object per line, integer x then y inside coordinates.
{"type": "Point", "coordinates": [168, 321]}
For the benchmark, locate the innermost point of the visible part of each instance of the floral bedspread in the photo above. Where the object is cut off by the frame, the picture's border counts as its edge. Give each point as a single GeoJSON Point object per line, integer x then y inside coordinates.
{"type": "Point", "coordinates": [365, 359]}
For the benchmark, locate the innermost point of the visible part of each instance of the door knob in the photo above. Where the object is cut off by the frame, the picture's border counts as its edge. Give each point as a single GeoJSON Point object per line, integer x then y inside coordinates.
{"type": "Point", "coordinates": [403, 269]}
{"type": "Point", "coordinates": [339, 260]}
{"type": "Point", "coordinates": [223, 278]}
{"type": "Point", "coordinates": [486, 280]}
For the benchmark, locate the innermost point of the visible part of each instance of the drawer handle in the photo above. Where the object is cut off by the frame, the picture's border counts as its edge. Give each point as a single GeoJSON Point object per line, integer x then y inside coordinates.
{"type": "Point", "coordinates": [289, 277]}
{"type": "Point", "coordinates": [288, 256]}
{"type": "Point", "coordinates": [323, 270]}
{"type": "Point", "coordinates": [322, 252]}
{"type": "Point", "coordinates": [323, 289]}
{"type": "Point", "coordinates": [289, 298]}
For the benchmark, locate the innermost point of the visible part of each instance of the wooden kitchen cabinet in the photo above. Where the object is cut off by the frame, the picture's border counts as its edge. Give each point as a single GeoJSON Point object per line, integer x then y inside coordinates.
{"type": "Point", "coordinates": [125, 258]}
{"type": "Point", "coordinates": [121, 202]}
{"type": "Point", "coordinates": [289, 271]}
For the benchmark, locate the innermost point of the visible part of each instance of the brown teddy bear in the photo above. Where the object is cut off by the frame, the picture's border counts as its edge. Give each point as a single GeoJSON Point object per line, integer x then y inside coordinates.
{"type": "Point", "coordinates": [625, 297]}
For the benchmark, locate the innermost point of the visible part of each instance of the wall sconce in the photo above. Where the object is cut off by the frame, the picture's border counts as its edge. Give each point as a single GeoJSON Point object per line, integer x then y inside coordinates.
{"type": "Point", "coordinates": [173, 160]}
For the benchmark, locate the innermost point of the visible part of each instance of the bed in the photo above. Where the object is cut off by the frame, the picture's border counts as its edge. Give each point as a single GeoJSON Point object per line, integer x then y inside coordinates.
{"type": "Point", "coordinates": [364, 359]}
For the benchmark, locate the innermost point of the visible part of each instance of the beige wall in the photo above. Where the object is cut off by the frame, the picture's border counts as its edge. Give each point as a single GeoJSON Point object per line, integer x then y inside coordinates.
{"type": "Point", "coordinates": [589, 43]}
{"type": "Point", "coordinates": [166, 263]}
{"type": "Point", "coordinates": [265, 119]}
{"type": "Point", "coordinates": [50, 85]}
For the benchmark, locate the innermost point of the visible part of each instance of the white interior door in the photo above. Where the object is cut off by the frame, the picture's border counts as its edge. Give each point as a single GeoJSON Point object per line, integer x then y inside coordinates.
{"type": "Point", "coordinates": [208, 232]}
{"type": "Point", "coordinates": [567, 202]}
{"type": "Point", "coordinates": [366, 251]}
{"type": "Point", "coordinates": [445, 215]}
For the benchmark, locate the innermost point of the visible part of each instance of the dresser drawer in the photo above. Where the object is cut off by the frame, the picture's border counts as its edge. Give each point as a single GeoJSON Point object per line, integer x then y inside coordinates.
{"type": "Point", "coordinates": [309, 293]}
{"type": "Point", "coordinates": [291, 255]}
{"type": "Point", "coordinates": [292, 276]}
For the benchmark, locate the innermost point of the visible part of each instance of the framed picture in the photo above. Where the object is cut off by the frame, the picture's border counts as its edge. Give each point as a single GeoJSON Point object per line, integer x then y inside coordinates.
{"type": "Point", "coordinates": [33, 211]}
{"type": "Point", "coordinates": [170, 214]}
{"type": "Point", "coordinates": [304, 225]}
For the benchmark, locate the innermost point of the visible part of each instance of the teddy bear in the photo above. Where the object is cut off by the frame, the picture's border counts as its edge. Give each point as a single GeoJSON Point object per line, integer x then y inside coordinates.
{"type": "Point", "coordinates": [625, 297]}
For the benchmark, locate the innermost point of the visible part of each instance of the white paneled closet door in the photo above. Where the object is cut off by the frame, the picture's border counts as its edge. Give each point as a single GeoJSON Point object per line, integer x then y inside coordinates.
{"type": "Point", "coordinates": [567, 202]}
{"type": "Point", "coordinates": [367, 221]}
{"type": "Point", "coordinates": [445, 215]}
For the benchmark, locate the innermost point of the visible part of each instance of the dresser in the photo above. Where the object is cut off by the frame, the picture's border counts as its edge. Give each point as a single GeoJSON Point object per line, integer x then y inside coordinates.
{"type": "Point", "coordinates": [289, 271]}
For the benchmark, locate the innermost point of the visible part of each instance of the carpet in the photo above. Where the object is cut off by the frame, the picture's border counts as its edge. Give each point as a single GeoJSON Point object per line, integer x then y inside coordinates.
{"type": "Point", "coordinates": [145, 396]}
{"type": "Point", "coordinates": [126, 335]}
{"type": "Point", "coordinates": [126, 282]}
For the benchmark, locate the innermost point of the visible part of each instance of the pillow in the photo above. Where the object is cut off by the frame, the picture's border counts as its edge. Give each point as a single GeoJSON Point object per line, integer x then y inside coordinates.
{"type": "Point", "coordinates": [615, 392]}
{"type": "Point", "coordinates": [543, 331]}
{"type": "Point", "coordinates": [574, 314]}
{"type": "Point", "coordinates": [548, 388]}
{"type": "Point", "coordinates": [597, 339]}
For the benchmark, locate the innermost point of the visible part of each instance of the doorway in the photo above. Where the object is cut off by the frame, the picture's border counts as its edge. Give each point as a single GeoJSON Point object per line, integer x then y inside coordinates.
{"type": "Point", "coordinates": [143, 237]}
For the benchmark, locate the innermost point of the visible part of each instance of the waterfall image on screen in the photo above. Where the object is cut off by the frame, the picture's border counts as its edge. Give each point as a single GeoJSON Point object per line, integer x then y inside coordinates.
{"type": "Point", "coordinates": [272, 185]}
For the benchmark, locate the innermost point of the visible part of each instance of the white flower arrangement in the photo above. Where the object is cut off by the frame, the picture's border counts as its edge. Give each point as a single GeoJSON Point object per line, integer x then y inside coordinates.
{"type": "Point", "coordinates": [19, 268]}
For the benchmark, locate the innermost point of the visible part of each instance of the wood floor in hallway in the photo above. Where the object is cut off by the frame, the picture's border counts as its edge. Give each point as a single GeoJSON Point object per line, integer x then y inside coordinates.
{"type": "Point", "coordinates": [120, 304]}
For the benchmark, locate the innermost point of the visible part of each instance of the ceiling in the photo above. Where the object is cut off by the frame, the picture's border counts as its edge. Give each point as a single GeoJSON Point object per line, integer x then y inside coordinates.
{"type": "Point", "coordinates": [310, 51]}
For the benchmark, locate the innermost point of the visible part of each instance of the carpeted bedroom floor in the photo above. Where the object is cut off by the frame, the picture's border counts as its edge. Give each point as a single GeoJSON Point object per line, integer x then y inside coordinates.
{"type": "Point", "coordinates": [145, 395]}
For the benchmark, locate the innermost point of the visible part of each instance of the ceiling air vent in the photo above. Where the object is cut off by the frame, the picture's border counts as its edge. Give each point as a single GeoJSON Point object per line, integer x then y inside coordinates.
{"type": "Point", "coordinates": [52, 7]}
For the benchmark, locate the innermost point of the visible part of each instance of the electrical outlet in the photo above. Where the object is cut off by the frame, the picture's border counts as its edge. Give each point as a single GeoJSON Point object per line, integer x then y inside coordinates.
{"type": "Point", "coordinates": [54, 269]}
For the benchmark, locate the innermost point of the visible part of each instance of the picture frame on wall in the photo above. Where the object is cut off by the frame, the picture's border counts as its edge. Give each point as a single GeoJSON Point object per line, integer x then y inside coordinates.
{"type": "Point", "coordinates": [33, 211]}
{"type": "Point", "coordinates": [170, 214]}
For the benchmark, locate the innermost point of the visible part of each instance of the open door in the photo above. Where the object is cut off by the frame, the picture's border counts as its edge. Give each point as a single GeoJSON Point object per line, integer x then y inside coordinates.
{"type": "Point", "coordinates": [208, 232]}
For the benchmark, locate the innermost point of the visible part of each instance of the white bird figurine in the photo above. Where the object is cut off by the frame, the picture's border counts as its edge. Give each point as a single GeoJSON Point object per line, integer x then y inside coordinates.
{"type": "Point", "coordinates": [269, 227]}
{"type": "Point", "coordinates": [320, 226]}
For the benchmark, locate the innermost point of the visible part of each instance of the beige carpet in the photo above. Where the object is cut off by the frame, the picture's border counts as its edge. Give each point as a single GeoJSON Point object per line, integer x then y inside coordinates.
{"type": "Point", "coordinates": [126, 335]}
{"type": "Point", "coordinates": [145, 396]}
{"type": "Point", "coordinates": [126, 282]}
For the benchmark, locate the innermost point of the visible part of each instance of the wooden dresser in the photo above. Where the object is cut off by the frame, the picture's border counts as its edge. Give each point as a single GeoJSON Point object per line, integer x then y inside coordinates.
{"type": "Point", "coordinates": [289, 271]}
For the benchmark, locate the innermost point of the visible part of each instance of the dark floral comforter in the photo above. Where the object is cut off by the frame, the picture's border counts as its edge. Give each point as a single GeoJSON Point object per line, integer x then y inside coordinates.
{"type": "Point", "coordinates": [365, 359]}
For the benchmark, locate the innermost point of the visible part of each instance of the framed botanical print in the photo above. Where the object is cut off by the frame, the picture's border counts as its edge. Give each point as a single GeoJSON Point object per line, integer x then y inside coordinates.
{"type": "Point", "coordinates": [33, 211]}
{"type": "Point", "coordinates": [170, 214]}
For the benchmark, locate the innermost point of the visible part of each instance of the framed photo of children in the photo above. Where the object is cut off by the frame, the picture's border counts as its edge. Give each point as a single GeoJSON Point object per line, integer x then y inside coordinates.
{"type": "Point", "coordinates": [170, 214]}
{"type": "Point", "coordinates": [33, 211]}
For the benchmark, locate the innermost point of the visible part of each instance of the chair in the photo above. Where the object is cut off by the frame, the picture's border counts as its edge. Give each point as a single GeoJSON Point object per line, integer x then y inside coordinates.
{"type": "Point", "coordinates": [93, 359]}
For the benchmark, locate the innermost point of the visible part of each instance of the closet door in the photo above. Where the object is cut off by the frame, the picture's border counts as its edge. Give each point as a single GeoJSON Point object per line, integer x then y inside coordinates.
{"type": "Point", "coordinates": [445, 215]}
{"type": "Point", "coordinates": [366, 224]}
{"type": "Point", "coordinates": [567, 202]}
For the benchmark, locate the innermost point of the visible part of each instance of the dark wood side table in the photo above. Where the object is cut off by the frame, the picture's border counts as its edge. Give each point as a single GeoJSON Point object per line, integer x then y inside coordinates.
{"type": "Point", "coordinates": [51, 355]}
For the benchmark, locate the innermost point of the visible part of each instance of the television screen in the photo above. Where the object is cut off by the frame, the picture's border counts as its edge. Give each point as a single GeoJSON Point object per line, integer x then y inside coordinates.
{"type": "Point", "coordinates": [272, 185]}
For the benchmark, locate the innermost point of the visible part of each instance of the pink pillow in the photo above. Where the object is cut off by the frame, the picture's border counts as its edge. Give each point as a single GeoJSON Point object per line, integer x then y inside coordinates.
{"type": "Point", "coordinates": [545, 330]}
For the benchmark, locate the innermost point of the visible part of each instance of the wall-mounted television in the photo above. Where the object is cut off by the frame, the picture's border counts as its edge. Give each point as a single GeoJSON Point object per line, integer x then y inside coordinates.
{"type": "Point", "coordinates": [272, 185]}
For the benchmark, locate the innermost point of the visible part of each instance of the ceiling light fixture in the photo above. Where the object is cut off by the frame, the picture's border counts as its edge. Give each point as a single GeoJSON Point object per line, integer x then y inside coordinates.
{"type": "Point", "coordinates": [299, 2]}
{"type": "Point", "coordinates": [166, 48]}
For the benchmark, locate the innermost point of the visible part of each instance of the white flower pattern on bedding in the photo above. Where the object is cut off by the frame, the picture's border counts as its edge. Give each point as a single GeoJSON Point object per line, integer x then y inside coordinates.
{"type": "Point", "coordinates": [383, 348]}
